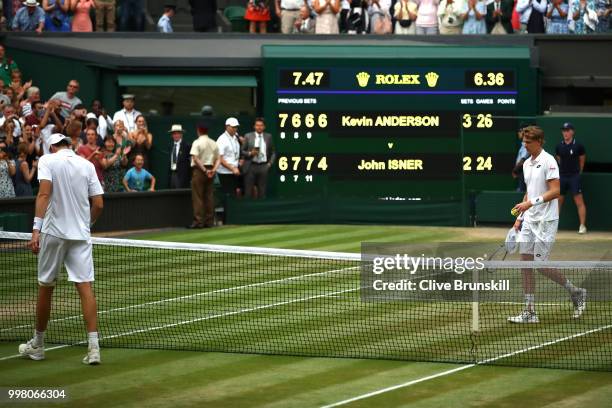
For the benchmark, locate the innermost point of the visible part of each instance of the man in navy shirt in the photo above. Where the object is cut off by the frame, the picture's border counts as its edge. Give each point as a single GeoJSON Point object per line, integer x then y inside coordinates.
{"type": "Point", "coordinates": [571, 157]}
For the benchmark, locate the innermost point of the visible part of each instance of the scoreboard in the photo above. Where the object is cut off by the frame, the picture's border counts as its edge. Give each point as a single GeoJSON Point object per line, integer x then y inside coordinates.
{"type": "Point", "coordinates": [395, 123]}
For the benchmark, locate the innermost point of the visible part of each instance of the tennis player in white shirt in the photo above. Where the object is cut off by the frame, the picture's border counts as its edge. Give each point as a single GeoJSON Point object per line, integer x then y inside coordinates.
{"type": "Point", "coordinates": [61, 235]}
{"type": "Point", "coordinates": [538, 222]}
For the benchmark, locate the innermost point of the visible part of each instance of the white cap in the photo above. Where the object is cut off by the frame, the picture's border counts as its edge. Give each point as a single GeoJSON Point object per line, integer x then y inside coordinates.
{"type": "Point", "coordinates": [511, 244]}
{"type": "Point", "coordinates": [58, 137]}
{"type": "Point", "coordinates": [128, 96]}
{"type": "Point", "coordinates": [91, 115]}
{"type": "Point", "coordinates": [30, 3]}
{"type": "Point", "coordinates": [232, 122]}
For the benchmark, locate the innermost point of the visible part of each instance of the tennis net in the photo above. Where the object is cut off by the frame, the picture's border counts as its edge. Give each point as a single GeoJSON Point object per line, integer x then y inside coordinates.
{"type": "Point", "coordinates": [270, 301]}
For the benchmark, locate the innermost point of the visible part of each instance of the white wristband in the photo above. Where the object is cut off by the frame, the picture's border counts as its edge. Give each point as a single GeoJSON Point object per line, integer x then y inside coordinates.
{"type": "Point", "coordinates": [537, 201]}
{"type": "Point", "coordinates": [38, 222]}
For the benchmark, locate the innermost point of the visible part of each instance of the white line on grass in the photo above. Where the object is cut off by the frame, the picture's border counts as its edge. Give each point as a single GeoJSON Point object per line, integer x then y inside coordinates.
{"type": "Point", "coordinates": [213, 292]}
{"type": "Point", "coordinates": [465, 367]}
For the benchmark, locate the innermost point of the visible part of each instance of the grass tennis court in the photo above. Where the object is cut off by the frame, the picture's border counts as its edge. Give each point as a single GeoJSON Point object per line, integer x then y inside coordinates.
{"type": "Point", "coordinates": [155, 378]}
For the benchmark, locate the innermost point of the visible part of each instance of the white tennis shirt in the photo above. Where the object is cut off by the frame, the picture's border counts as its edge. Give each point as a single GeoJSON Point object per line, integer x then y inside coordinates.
{"type": "Point", "coordinates": [73, 181]}
{"type": "Point", "coordinates": [537, 171]}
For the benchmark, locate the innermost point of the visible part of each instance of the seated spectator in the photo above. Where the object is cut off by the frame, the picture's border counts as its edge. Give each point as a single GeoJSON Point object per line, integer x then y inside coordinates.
{"type": "Point", "coordinates": [57, 16]}
{"type": "Point", "coordinates": [450, 16]}
{"type": "Point", "coordinates": [474, 17]}
{"type": "Point", "coordinates": [427, 17]}
{"type": "Point", "coordinates": [24, 174]}
{"type": "Point", "coordinates": [91, 152]}
{"type": "Point", "coordinates": [68, 99]}
{"type": "Point", "coordinates": [142, 141]}
{"type": "Point", "coordinates": [405, 14]}
{"type": "Point", "coordinates": [81, 22]}
{"type": "Point", "coordinates": [358, 19]}
{"type": "Point", "coordinates": [380, 18]}
{"type": "Point", "coordinates": [580, 16]}
{"type": "Point", "coordinates": [105, 13]}
{"type": "Point", "coordinates": [258, 15]}
{"type": "Point", "coordinates": [7, 66]}
{"type": "Point", "coordinates": [164, 24]}
{"type": "Point", "coordinates": [532, 15]}
{"type": "Point", "coordinates": [557, 17]}
{"type": "Point", "coordinates": [135, 179]}
{"type": "Point", "coordinates": [499, 17]}
{"type": "Point", "coordinates": [7, 171]}
{"type": "Point", "coordinates": [115, 163]}
{"type": "Point", "coordinates": [29, 18]}
{"type": "Point", "coordinates": [304, 24]}
{"type": "Point", "coordinates": [327, 16]}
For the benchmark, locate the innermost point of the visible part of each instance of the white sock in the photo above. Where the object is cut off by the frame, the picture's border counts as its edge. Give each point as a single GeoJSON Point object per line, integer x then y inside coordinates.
{"type": "Point", "coordinates": [570, 286]}
{"type": "Point", "coordinates": [39, 338]}
{"type": "Point", "coordinates": [92, 338]}
{"type": "Point", "coordinates": [530, 302]}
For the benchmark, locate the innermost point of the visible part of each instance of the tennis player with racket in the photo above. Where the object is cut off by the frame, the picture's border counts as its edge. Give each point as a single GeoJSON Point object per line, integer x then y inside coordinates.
{"type": "Point", "coordinates": [538, 219]}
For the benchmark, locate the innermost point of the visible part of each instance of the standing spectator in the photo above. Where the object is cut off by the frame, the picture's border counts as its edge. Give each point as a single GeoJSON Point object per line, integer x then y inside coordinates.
{"type": "Point", "coordinates": [32, 96]}
{"type": "Point", "coordinates": [358, 20]}
{"type": "Point", "coordinates": [258, 14]}
{"type": "Point", "coordinates": [516, 18]}
{"type": "Point", "coordinates": [259, 153]}
{"type": "Point", "coordinates": [121, 137]}
{"type": "Point", "coordinates": [603, 8]}
{"type": "Point", "coordinates": [68, 100]}
{"type": "Point", "coordinates": [29, 18]}
{"type": "Point", "coordinates": [92, 153]}
{"type": "Point", "coordinates": [450, 16]}
{"type": "Point", "coordinates": [474, 17]}
{"type": "Point", "coordinates": [571, 157]}
{"type": "Point", "coordinates": [180, 161]}
{"type": "Point", "coordinates": [91, 122]}
{"type": "Point", "coordinates": [304, 24]}
{"type": "Point", "coordinates": [114, 164]}
{"type": "Point", "coordinates": [579, 16]}
{"type": "Point", "coordinates": [57, 18]}
{"type": "Point", "coordinates": [105, 13]}
{"type": "Point", "coordinates": [7, 171]}
{"type": "Point", "coordinates": [557, 17]}
{"type": "Point", "coordinates": [532, 15]}
{"type": "Point", "coordinates": [521, 157]}
{"type": "Point", "coordinates": [205, 161]}
{"type": "Point", "coordinates": [23, 173]}
{"type": "Point", "coordinates": [499, 17]}
{"type": "Point", "coordinates": [229, 152]}
{"type": "Point", "coordinates": [427, 17]}
{"type": "Point", "coordinates": [327, 20]}
{"type": "Point", "coordinates": [164, 24]}
{"type": "Point", "coordinates": [72, 129]}
{"type": "Point", "coordinates": [81, 23]}
{"type": "Point", "coordinates": [142, 141]}
{"type": "Point", "coordinates": [203, 13]}
{"type": "Point", "coordinates": [136, 178]}
{"type": "Point", "coordinates": [380, 19]}
{"type": "Point", "coordinates": [131, 15]}
{"type": "Point", "coordinates": [288, 11]}
{"type": "Point", "coordinates": [105, 122]}
{"type": "Point", "coordinates": [7, 66]}
{"type": "Point", "coordinates": [405, 14]}
{"type": "Point", "coordinates": [128, 114]}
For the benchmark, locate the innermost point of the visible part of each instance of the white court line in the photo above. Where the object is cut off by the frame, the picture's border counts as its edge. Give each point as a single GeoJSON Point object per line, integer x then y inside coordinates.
{"type": "Point", "coordinates": [47, 349]}
{"type": "Point", "coordinates": [464, 367]}
{"type": "Point", "coordinates": [251, 285]}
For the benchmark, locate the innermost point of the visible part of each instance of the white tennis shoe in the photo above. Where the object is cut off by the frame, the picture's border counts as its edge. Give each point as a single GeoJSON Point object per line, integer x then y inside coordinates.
{"type": "Point", "coordinates": [32, 351]}
{"type": "Point", "coordinates": [526, 316]}
{"type": "Point", "coordinates": [579, 301]}
{"type": "Point", "coordinates": [92, 357]}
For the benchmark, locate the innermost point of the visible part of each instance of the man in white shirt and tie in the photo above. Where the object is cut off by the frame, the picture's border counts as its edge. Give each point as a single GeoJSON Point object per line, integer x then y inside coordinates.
{"type": "Point", "coordinates": [259, 154]}
{"type": "Point", "coordinates": [128, 114]}
{"type": "Point", "coordinates": [180, 161]}
{"type": "Point", "coordinates": [229, 154]}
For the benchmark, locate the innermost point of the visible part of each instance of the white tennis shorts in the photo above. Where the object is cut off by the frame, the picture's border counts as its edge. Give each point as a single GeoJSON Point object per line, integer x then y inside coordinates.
{"type": "Point", "coordinates": [537, 238]}
{"type": "Point", "coordinates": [75, 255]}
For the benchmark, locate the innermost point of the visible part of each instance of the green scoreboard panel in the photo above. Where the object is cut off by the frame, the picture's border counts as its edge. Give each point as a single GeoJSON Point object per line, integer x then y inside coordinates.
{"type": "Point", "coordinates": [395, 123]}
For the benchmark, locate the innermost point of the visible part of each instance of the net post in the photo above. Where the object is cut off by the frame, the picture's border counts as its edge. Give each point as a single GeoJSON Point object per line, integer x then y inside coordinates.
{"type": "Point", "coordinates": [475, 303]}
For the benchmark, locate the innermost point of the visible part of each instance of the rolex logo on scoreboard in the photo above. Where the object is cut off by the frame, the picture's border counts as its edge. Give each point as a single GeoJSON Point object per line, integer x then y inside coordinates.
{"type": "Point", "coordinates": [362, 79]}
{"type": "Point", "coordinates": [432, 79]}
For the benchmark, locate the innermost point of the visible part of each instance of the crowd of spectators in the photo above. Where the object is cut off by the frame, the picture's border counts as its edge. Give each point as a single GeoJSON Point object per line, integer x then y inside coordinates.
{"type": "Point", "coordinates": [118, 147]}
{"type": "Point", "coordinates": [402, 17]}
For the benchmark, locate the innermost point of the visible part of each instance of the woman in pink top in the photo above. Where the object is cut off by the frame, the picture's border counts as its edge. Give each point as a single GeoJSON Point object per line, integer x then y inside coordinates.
{"type": "Point", "coordinates": [427, 17]}
{"type": "Point", "coordinates": [81, 21]}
